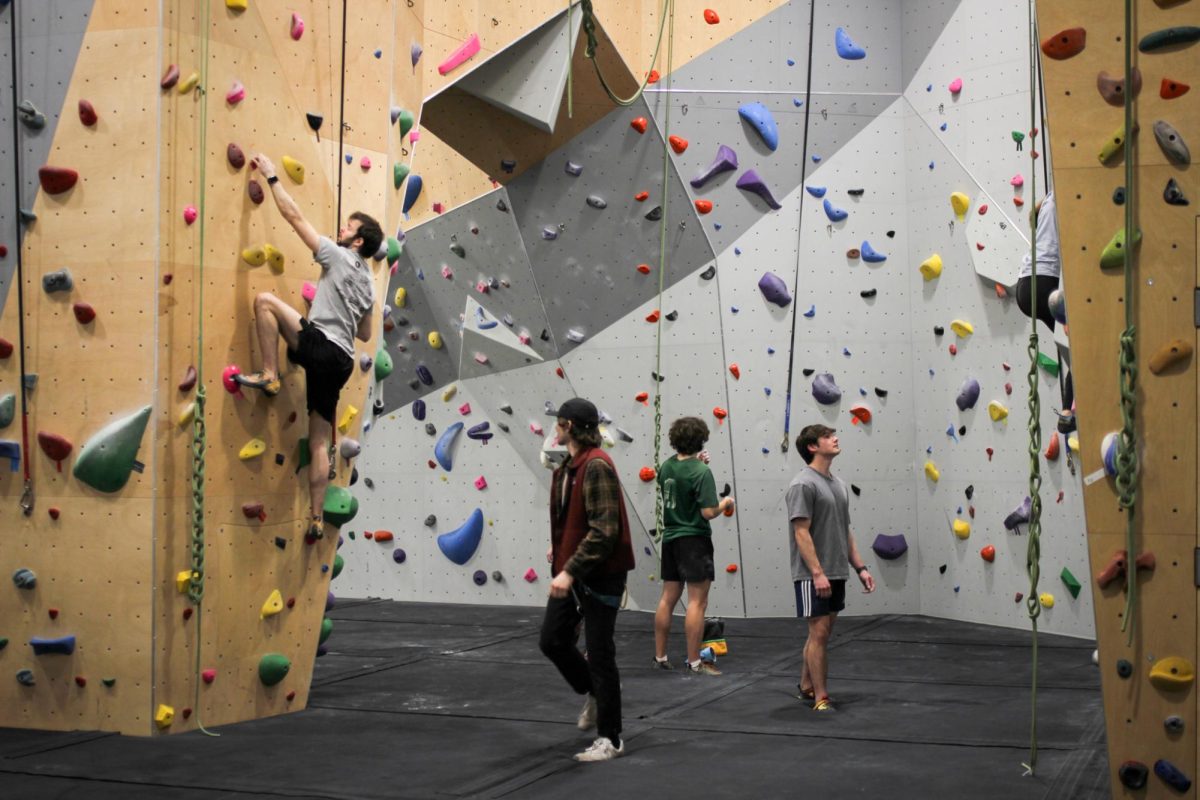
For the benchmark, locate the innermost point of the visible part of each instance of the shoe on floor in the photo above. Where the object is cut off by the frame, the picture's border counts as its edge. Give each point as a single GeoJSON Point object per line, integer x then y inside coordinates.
{"type": "Point", "coordinates": [824, 706]}
{"type": "Point", "coordinates": [705, 668]}
{"type": "Point", "coordinates": [601, 750]}
{"type": "Point", "coordinates": [587, 716]}
{"type": "Point", "coordinates": [256, 380]}
{"type": "Point", "coordinates": [666, 664]}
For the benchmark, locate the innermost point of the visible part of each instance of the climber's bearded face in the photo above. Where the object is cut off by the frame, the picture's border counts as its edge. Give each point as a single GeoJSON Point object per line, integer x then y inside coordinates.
{"type": "Point", "coordinates": [348, 234]}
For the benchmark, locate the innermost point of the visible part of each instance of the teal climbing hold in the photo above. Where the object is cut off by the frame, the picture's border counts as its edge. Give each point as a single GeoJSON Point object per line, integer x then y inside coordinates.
{"type": "Point", "coordinates": [272, 668]}
{"type": "Point", "coordinates": [1180, 34]}
{"type": "Point", "coordinates": [846, 48]}
{"type": "Point", "coordinates": [383, 361]}
{"type": "Point", "coordinates": [760, 117]}
{"type": "Point", "coordinates": [340, 506]}
{"type": "Point", "coordinates": [8, 409]}
{"type": "Point", "coordinates": [460, 544]}
{"type": "Point", "coordinates": [441, 450]}
{"type": "Point", "coordinates": [110, 455]}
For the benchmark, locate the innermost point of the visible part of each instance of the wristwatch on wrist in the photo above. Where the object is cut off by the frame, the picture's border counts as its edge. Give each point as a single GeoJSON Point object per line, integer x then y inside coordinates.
{"type": "Point", "coordinates": [862, 569]}
{"type": "Point", "coordinates": [271, 181]}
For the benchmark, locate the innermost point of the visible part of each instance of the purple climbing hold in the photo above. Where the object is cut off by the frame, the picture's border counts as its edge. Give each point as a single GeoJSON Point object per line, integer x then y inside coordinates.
{"type": "Point", "coordinates": [418, 406]}
{"type": "Point", "coordinates": [480, 432]}
{"type": "Point", "coordinates": [425, 375]}
{"type": "Point", "coordinates": [330, 601]}
{"type": "Point", "coordinates": [1019, 515]}
{"type": "Point", "coordinates": [549, 232]}
{"type": "Point", "coordinates": [774, 289]}
{"type": "Point", "coordinates": [760, 117]}
{"type": "Point", "coordinates": [750, 182]}
{"type": "Point", "coordinates": [480, 577]}
{"type": "Point", "coordinates": [825, 390]}
{"type": "Point", "coordinates": [416, 54]}
{"type": "Point", "coordinates": [834, 213]}
{"type": "Point", "coordinates": [888, 547]}
{"type": "Point", "coordinates": [725, 161]}
{"type": "Point", "coordinates": [968, 394]}
{"type": "Point", "coordinates": [574, 169]}
{"type": "Point", "coordinates": [816, 159]}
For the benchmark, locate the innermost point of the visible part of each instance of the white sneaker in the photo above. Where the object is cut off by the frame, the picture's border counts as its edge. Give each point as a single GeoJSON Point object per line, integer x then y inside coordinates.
{"type": "Point", "coordinates": [587, 715]}
{"type": "Point", "coordinates": [601, 750]}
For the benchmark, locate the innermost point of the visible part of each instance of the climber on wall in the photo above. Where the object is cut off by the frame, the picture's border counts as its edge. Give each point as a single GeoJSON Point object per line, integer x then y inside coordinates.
{"type": "Point", "coordinates": [322, 343]}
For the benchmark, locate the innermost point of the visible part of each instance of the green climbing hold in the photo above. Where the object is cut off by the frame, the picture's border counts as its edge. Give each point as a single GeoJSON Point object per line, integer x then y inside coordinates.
{"type": "Point", "coordinates": [1114, 252]}
{"type": "Point", "coordinates": [1049, 364]}
{"type": "Point", "coordinates": [8, 409]}
{"type": "Point", "coordinates": [109, 682]}
{"type": "Point", "coordinates": [109, 456]}
{"type": "Point", "coordinates": [338, 564]}
{"type": "Point", "coordinates": [3, 642]}
{"type": "Point", "coordinates": [340, 506]}
{"type": "Point", "coordinates": [273, 668]}
{"type": "Point", "coordinates": [1071, 582]}
{"type": "Point", "coordinates": [399, 173]}
{"type": "Point", "coordinates": [406, 122]}
{"type": "Point", "coordinates": [383, 362]}
{"type": "Point", "coordinates": [326, 629]}
{"type": "Point", "coordinates": [1018, 136]}
{"type": "Point", "coordinates": [394, 248]}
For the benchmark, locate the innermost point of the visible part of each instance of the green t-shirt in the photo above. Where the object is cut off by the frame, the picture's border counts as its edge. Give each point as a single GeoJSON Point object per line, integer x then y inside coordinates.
{"type": "Point", "coordinates": [687, 486]}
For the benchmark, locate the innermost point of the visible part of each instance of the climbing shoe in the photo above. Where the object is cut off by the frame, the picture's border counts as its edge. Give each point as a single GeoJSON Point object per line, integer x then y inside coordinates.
{"type": "Point", "coordinates": [824, 706]}
{"type": "Point", "coordinates": [664, 664]}
{"type": "Point", "coordinates": [703, 668]}
{"type": "Point", "coordinates": [256, 380]}
{"type": "Point", "coordinates": [316, 528]}
{"type": "Point", "coordinates": [809, 695]}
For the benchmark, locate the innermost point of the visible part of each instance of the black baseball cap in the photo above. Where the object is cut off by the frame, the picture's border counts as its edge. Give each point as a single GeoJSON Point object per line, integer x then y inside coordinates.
{"type": "Point", "coordinates": [582, 412]}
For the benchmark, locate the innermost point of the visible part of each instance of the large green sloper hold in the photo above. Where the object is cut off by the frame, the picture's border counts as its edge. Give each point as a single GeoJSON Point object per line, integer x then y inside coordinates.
{"type": "Point", "coordinates": [106, 460]}
{"type": "Point", "coordinates": [383, 362]}
{"type": "Point", "coordinates": [272, 668]}
{"type": "Point", "coordinates": [340, 506]}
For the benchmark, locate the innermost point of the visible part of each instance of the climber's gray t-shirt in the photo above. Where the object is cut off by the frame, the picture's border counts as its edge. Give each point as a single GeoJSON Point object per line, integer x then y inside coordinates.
{"type": "Point", "coordinates": [345, 293]}
{"type": "Point", "coordinates": [825, 502]}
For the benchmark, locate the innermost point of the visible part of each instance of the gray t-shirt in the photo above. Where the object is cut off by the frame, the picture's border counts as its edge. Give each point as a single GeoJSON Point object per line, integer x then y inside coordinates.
{"type": "Point", "coordinates": [825, 501]}
{"type": "Point", "coordinates": [1048, 263]}
{"type": "Point", "coordinates": [345, 293]}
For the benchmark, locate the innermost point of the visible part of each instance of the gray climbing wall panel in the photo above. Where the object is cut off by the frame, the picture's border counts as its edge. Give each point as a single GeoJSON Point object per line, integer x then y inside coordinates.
{"type": "Point", "coordinates": [51, 33]}
{"type": "Point", "coordinates": [408, 342]}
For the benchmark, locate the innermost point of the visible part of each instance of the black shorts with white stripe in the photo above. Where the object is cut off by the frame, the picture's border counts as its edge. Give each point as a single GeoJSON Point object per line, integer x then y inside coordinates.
{"type": "Point", "coordinates": [808, 604]}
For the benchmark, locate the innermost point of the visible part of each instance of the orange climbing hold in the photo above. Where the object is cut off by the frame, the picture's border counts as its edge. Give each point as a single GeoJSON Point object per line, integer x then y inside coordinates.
{"type": "Point", "coordinates": [384, 536]}
{"type": "Point", "coordinates": [1170, 89]}
{"type": "Point", "coordinates": [704, 206]}
{"type": "Point", "coordinates": [642, 397]}
{"type": "Point", "coordinates": [732, 568]}
{"type": "Point", "coordinates": [646, 474]}
{"type": "Point", "coordinates": [860, 413]}
{"type": "Point", "coordinates": [1018, 202]}
{"type": "Point", "coordinates": [988, 553]}
{"type": "Point", "coordinates": [1052, 449]}
{"type": "Point", "coordinates": [1065, 43]}
{"type": "Point", "coordinates": [653, 316]}
{"type": "Point", "coordinates": [653, 76]}
{"type": "Point", "coordinates": [643, 268]}
{"type": "Point", "coordinates": [711, 17]}
{"type": "Point", "coordinates": [642, 197]}
{"type": "Point", "coordinates": [678, 144]}
{"type": "Point", "coordinates": [638, 124]}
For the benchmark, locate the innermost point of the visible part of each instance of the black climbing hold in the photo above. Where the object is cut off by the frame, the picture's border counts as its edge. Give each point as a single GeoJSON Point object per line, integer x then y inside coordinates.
{"type": "Point", "coordinates": [353, 475]}
{"type": "Point", "coordinates": [279, 459]}
{"type": "Point", "coordinates": [502, 426]}
{"type": "Point", "coordinates": [377, 408]}
{"type": "Point", "coordinates": [431, 520]}
{"type": "Point", "coordinates": [414, 384]}
{"type": "Point", "coordinates": [1173, 194]}
{"type": "Point", "coordinates": [430, 429]}
{"type": "Point", "coordinates": [962, 430]}
{"type": "Point", "coordinates": [657, 377]}
{"type": "Point", "coordinates": [857, 491]}
{"type": "Point", "coordinates": [970, 491]}
{"type": "Point", "coordinates": [891, 234]}
{"type": "Point", "coordinates": [401, 321]}
{"type": "Point", "coordinates": [1119, 195]}
{"type": "Point", "coordinates": [498, 576]}
{"type": "Point", "coordinates": [508, 165]}
{"type": "Point", "coordinates": [458, 250]}
{"type": "Point", "coordinates": [544, 335]}
{"type": "Point", "coordinates": [280, 542]}
{"type": "Point", "coordinates": [942, 569]}
{"type": "Point", "coordinates": [506, 408]}
{"type": "Point", "coordinates": [726, 491]}
{"type": "Point", "coordinates": [1124, 668]}
{"type": "Point", "coordinates": [654, 214]}
{"type": "Point", "coordinates": [1174, 724]}
{"type": "Point", "coordinates": [367, 482]}
{"type": "Point", "coordinates": [1133, 774]}
{"type": "Point", "coordinates": [880, 392]}
{"type": "Point", "coordinates": [501, 205]}
{"type": "Point", "coordinates": [315, 120]}
{"type": "Point", "coordinates": [868, 293]}
{"type": "Point", "coordinates": [807, 372]}
{"type": "Point", "coordinates": [938, 330]}
{"type": "Point", "coordinates": [480, 577]}
{"type": "Point", "coordinates": [709, 273]}
{"type": "Point", "coordinates": [674, 315]}
{"type": "Point", "coordinates": [855, 192]}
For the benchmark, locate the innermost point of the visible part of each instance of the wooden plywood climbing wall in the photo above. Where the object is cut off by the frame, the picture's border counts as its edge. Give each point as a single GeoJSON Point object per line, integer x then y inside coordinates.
{"type": "Point", "coordinates": [1139, 710]}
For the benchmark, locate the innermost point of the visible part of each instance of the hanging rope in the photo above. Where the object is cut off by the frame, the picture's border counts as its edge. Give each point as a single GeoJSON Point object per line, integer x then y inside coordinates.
{"type": "Point", "coordinates": [1127, 465]}
{"type": "Point", "coordinates": [589, 29]}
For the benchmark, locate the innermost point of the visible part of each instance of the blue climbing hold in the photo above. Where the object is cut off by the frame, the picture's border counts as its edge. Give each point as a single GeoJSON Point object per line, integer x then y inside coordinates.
{"type": "Point", "coordinates": [943, 126]}
{"type": "Point", "coordinates": [797, 102]}
{"type": "Point", "coordinates": [418, 410]}
{"type": "Point", "coordinates": [412, 192]}
{"type": "Point", "coordinates": [870, 255]}
{"type": "Point", "coordinates": [750, 182]}
{"type": "Point", "coordinates": [760, 117]}
{"type": "Point", "coordinates": [846, 48]}
{"type": "Point", "coordinates": [484, 323]}
{"type": "Point", "coordinates": [816, 159]}
{"type": "Point", "coordinates": [461, 543]}
{"type": "Point", "coordinates": [834, 213]}
{"type": "Point", "coordinates": [812, 312]}
{"type": "Point", "coordinates": [441, 450]}
{"type": "Point", "coordinates": [63, 645]}
{"type": "Point", "coordinates": [815, 191]}
{"type": "Point", "coordinates": [774, 289]}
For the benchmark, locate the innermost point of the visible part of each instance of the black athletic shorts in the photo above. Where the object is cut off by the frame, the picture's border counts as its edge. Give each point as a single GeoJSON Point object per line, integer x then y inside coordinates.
{"type": "Point", "coordinates": [808, 604]}
{"type": "Point", "coordinates": [326, 369]}
{"type": "Point", "coordinates": [688, 559]}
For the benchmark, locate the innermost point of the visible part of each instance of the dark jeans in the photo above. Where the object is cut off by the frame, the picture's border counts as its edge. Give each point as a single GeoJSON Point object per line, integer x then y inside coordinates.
{"type": "Point", "coordinates": [596, 674]}
{"type": "Point", "coordinates": [1045, 286]}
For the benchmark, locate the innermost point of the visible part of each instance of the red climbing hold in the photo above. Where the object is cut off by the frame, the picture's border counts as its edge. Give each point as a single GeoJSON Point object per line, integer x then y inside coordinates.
{"type": "Point", "coordinates": [653, 316]}
{"type": "Point", "coordinates": [983, 209]}
{"type": "Point", "coordinates": [1052, 449]}
{"type": "Point", "coordinates": [639, 124]}
{"type": "Point", "coordinates": [643, 268]}
{"type": "Point", "coordinates": [291, 602]}
{"type": "Point", "coordinates": [646, 474]}
{"type": "Point", "coordinates": [860, 413]}
{"type": "Point", "coordinates": [953, 349]}
{"type": "Point", "coordinates": [711, 17]}
{"type": "Point", "coordinates": [1008, 388]}
{"type": "Point", "coordinates": [720, 414]}
{"type": "Point", "coordinates": [187, 712]}
{"type": "Point", "coordinates": [84, 313]}
{"type": "Point", "coordinates": [1018, 202]}
{"type": "Point", "coordinates": [1060, 496]}
{"type": "Point", "coordinates": [979, 245]}
{"type": "Point", "coordinates": [990, 453]}
{"type": "Point", "coordinates": [55, 447]}
{"type": "Point", "coordinates": [1001, 291]}
{"type": "Point", "coordinates": [80, 681]}
{"type": "Point", "coordinates": [53, 512]}
{"type": "Point", "coordinates": [3, 251]}
{"type": "Point", "coordinates": [87, 113]}
{"type": "Point", "coordinates": [6, 347]}
{"type": "Point", "coordinates": [1064, 44]}
{"type": "Point", "coordinates": [291, 695]}
{"type": "Point", "coordinates": [559, 372]}
{"type": "Point", "coordinates": [735, 371]}
{"type": "Point", "coordinates": [988, 553]}
{"type": "Point", "coordinates": [653, 76]}
{"type": "Point", "coordinates": [170, 77]}
{"type": "Point", "coordinates": [642, 197]}
{"type": "Point", "coordinates": [732, 568]}
{"type": "Point", "coordinates": [678, 144]}
{"type": "Point", "coordinates": [254, 511]}
{"type": "Point", "coordinates": [187, 614]}
{"type": "Point", "coordinates": [189, 380]}
{"type": "Point", "coordinates": [384, 536]}
{"type": "Point", "coordinates": [642, 397]}
{"type": "Point", "coordinates": [1170, 89]}
{"type": "Point", "coordinates": [432, 464]}
{"type": "Point", "coordinates": [53, 613]}
{"type": "Point", "coordinates": [56, 180]}
{"type": "Point", "coordinates": [703, 206]}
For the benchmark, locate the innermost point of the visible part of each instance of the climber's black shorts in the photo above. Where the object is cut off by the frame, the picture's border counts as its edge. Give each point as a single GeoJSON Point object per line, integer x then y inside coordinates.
{"type": "Point", "coordinates": [326, 369]}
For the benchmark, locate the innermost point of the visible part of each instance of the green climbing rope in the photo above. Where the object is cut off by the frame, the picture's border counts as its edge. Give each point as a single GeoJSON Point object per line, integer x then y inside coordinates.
{"type": "Point", "coordinates": [1127, 466]}
{"type": "Point", "coordinates": [589, 29]}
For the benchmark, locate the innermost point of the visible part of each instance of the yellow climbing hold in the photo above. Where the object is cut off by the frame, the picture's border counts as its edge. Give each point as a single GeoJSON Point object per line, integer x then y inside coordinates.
{"type": "Point", "coordinates": [960, 203]}
{"type": "Point", "coordinates": [931, 267]}
{"type": "Point", "coordinates": [1172, 673]}
{"type": "Point", "coordinates": [236, 5]}
{"type": "Point", "coordinates": [274, 258]}
{"type": "Point", "coordinates": [1115, 144]}
{"type": "Point", "coordinates": [607, 439]}
{"type": "Point", "coordinates": [347, 419]}
{"type": "Point", "coordinates": [255, 256]}
{"type": "Point", "coordinates": [182, 580]}
{"type": "Point", "coordinates": [447, 395]}
{"type": "Point", "coordinates": [401, 297]}
{"type": "Point", "coordinates": [187, 415]}
{"type": "Point", "coordinates": [273, 605]}
{"type": "Point", "coordinates": [435, 340]}
{"type": "Point", "coordinates": [962, 328]}
{"type": "Point", "coordinates": [1046, 599]}
{"type": "Point", "coordinates": [187, 84]}
{"type": "Point", "coordinates": [252, 449]}
{"type": "Point", "coordinates": [961, 528]}
{"type": "Point", "coordinates": [294, 169]}
{"type": "Point", "coordinates": [932, 472]}
{"type": "Point", "coordinates": [164, 716]}
{"type": "Point", "coordinates": [997, 411]}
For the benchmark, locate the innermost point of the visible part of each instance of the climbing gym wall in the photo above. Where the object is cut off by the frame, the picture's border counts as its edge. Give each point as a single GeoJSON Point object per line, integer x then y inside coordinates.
{"type": "Point", "coordinates": [142, 245]}
{"type": "Point", "coordinates": [543, 283]}
{"type": "Point", "coordinates": [1143, 568]}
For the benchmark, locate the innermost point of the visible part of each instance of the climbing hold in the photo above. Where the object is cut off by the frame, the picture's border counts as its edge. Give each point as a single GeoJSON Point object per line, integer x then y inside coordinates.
{"type": "Point", "coordinates": [189, 83]}
{"type": "Point", "coordinates": [890, 547]}
{"type": "Point", "coordinates": [703, 206]}
{"type": "Point", "coordinates": [1046, 599]}
{"type": "Point", "coordinates": [860, 413]}
{"type": "Point", "coordinates": [1173, 673]}
{"type": "Point", "coordinates": [272, 606]}
{"type": "Point", "coordinates": [1049, 364]}
{"type": "Point", "coordinates": [1070, 581]}
{"type": "Point", "coordinates": [932, 472]}
{"type": "Point", "coordinates": [774, 289]}
{"type": "Point", "coordinates": [720, 414]}
{"type": "Point", "coordinates": [725, 160]}
{"type": "Point", "coordinates": [1173, 194]}
{"type": "Point", "coordinates": [734, 370]}
{"type": "Point", "coordinates": [1113, 89]}
{"type": "Point", "coordinates": [252, 449]}
{"type": "Point", "coordinates": [340, 507]}
{"type": "Point", "coordinates": [164, 715]}
{"type": "Point", "coordinates": [1181, 34]}
{"type": "Point", "coordinates": [411, 192]}
{"type": "Point", "coordinates": [1133, 774]}
{"type": "Point", "coordinates": [236, 93]}
{"type": "Point", "coordinates": [1115, 144]}
{"type": "Point", "coordinates": [58, 281]}
{"type": "Point", "coordinates": [272, 668]}
{"type": "Point", "coordinates": [751, 182]}
{"type": "Point", "coordinates": [531, 575]}
{"type": "Point", "coordinates": [988, 553]}
{"type": "Point", "coordinates": [294, 169]}
{"type": "Point", "coordinates": [441, 450]}
{"type": "Point", "coordinates": [1051, 453]}
{"type": "Point", "coordinates": [1174, 724]}
{"type": "Point", "coordinates": [63, 645]}
{"type": "Point", "coordinates": [846, 48]}
{"type": "Point", "coordinates": [1170, 140]}
{"type": "Point", "coordinates": [8, 409]}
{"type": "Point", "coordinates": [435, 340]}
{"type": "Point", "coordinates": [960, 203]}
{"type": "Point", "coordinates": [1108, 452]}
{"type": "Point", "coordinates": [962, 328]}
{"type": "Point", "coordinates": [170, 77]}
{"type": "Point", "coordinates": [678, 144]}
{"type": "Point", "coordinates": [647, 474]}
{"type": "Point", "coordinates": [711, 17]}
{"type": "Point", "coordinates": [56, 180]}
{"type": "Point", "coordinates": [253, 511]}
{"type": "Point", "coordinates": [961, 528]}
{"type": "Point", "coordinates": [759, 116]}
{"type": "Point", "coordinates": [638, 124]}
{"type": "Point", "coordinates": [955, 86]}
{"type": "Point", "coordinates": [347, 419]}
{"type": "Point", "coordinates": [825, 390]}
{"type": "Point", "coordinates": [1016, 181]}
{"type": "Point", "coordinates": [870, 255]}
{"type": "Point", "coordinates": [968, 394]}
{"type": "Point", "coordinates": [461, 543]}
{"type": "Point", "coordinates": [463, 52]}
{"type": "Point", "coordinates": [25, 677]}
{"type": "Point", "coordinates": [255, 190]}
{"type": "Point", "coordinates": [1170, 89]}
{"type": "Point", "coordinates": [1171, 774]}
{"type": "Point", "coordinates": [1113, 254]}
{"type": "Point", "coordinates": [349, 448]}
{"type": "Point", "coordinates": [1169, 354]}
{"type": "Point", "coordinates": [571, 168]}
{"type": "Point", "coordinates": [595, 201]}
{"type": "Point", "coordinates": [189, 214]}
{"type": "Point", "coordinates": [1065, 43]}
{"type": "Point", "coordinates": [834, 213]}
{"type": "Point", "coordinates": [87, 113]}
{"type": "Point", "coordinates": [105, 461]}
{"type": "Point", "coordinates": [297, 27]}
{"type": "Point", "coordinates": [997, 411]}
{"type": "Point", "coordinates": [653, 215]}
{"type": "Point", "coordinates": [931, 267]}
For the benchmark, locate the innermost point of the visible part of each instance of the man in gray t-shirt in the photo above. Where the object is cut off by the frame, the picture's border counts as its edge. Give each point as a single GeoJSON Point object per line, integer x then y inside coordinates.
{"type": "Point", "coordinates": [822, 550]}
{"type": "Point", "coordinates": [324, 342]}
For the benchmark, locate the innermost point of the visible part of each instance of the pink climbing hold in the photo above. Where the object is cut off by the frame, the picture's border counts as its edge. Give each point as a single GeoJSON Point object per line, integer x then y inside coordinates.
{"type": "Point", "coordinates": [189, 214]}
{"type": "Point", "coordinates": [956, 86]}
{"type": "Point", "coordinates": [236, 93]}
{"type": "Point", "coordinates": [537, 429]}
{"type": "Point", "coordinates": [1018, 180]}
{"type": "Point", "coordinates": [308, 291]}
{"type": "Point", "coordinates": [983, 209]}
{"type": "Point", "coordinates": [481, 483]}
{"type": "Point", "coordinates": [531, 575]}
{"type": "Point", "coordinates": [447, 273]}
{"type": "Point", "coordinates": [464, 409]}
{"type": "Point", "coordinates": [365, 163]}
{"type": "Point", "coordinates": [228, 382]}
{"type": "Point", "coordinates": [467, 49]}
{"type": "Point", "coordinates": [209, 675]}
{"type": "Point", "coordinates": [297, 27]}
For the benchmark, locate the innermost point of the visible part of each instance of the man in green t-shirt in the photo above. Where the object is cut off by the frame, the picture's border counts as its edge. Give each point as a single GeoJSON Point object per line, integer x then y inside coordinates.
{"type": "Point", "coordinates": [689, 501]}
